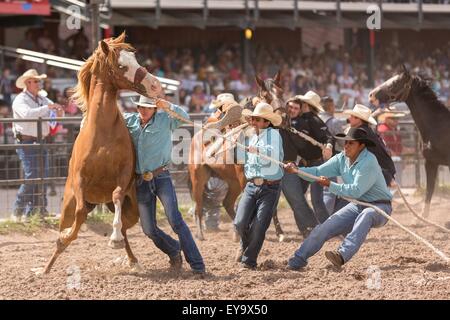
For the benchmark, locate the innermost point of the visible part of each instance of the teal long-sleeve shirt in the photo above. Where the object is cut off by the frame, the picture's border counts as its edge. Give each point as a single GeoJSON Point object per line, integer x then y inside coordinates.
{"type": "Point", "coordinates": [270, 144]}
{"type": "Point", "coordinates": [363, 180]}
{"type": "Point", "coordinates": [153, 143]}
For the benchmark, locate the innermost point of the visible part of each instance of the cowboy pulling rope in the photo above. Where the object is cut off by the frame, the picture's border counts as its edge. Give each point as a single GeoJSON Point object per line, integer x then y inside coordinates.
{"type": "Point", "coordinates": [438, 252]}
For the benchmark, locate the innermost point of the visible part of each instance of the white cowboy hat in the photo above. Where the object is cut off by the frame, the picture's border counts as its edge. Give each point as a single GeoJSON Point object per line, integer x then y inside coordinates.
{"type": "Point", "coordinates": [145, 102]}
{"type": "Point", "coordinates": [311, 98]}
{"type": "Point", "coordinates": [263, 110]}
{"type": "Point", "coordinates": [382, 117]}
{"type": "Point", "coordinates": [222, 99]}
{"type": "Point", "coordinates": [29, 74]}
{"type": "Point", "coordinates": [362, 112]}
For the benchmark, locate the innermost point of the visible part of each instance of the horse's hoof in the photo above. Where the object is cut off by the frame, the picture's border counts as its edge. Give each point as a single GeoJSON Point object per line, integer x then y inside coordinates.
{"type": "Point", "coordinates": [116, 244]}
{"type": "Point", "coordinates": [281, 238]}
{"type": "Point", "coordinates": [135, 267]}
{"type": "Point", "coordinates": [200, 237]}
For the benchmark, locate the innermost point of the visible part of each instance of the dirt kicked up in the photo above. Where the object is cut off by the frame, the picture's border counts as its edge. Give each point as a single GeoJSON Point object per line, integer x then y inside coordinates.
{"type": "Point", "coordinates": [390, 265]}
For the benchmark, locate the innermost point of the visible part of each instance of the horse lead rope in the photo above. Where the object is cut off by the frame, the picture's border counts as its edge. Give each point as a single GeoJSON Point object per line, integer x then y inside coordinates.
{"type": "Point", "coordinates": [307, 138]}
{"type": "Point", "coordinates": [302, 173]}
{"type": "Point", "coordinates": [416, 214]}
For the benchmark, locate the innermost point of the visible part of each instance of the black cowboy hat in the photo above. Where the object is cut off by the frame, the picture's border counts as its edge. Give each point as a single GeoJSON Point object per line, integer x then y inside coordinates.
{"type": "Point", "coordinates": [356, 134]}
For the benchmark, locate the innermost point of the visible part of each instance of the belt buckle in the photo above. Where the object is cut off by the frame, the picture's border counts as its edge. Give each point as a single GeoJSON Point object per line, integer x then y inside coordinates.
{"type": "Point", "coordinates": [258, 181]}
{"type": "Point", "coordinates": [147, 176]}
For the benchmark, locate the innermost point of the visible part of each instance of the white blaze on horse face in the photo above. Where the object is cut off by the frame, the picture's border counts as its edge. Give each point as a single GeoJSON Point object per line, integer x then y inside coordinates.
{"type": "Point", "coordinates": [390, 81]}
{"type": "Point", "coordinates": [127, 59]}
{"type": "Point", "coordinates": [372, 99]}
{"type": "Point", "coordinates": [152, 85]}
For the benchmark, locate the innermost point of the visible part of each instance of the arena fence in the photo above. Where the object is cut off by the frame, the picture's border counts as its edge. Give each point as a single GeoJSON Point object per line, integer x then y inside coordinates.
{"type": "Point", "coordinates": [59, 148]}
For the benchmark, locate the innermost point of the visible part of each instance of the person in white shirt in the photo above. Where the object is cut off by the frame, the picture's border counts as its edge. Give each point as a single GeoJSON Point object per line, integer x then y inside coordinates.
{"type": "Point", "coordinates": [30, 104]}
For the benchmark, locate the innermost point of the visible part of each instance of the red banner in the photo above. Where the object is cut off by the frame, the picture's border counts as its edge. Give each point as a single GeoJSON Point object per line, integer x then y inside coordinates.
{"type": "Point", "coordinates": [29, 7]}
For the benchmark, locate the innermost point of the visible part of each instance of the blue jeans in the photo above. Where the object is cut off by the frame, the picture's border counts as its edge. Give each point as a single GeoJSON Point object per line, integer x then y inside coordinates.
{"type": "Point", "coordinates": [162, 187]}
{"type": "Point", "coordinates": [30, 196]}
{"type": "Point", "coordinates": [253, 217]}
{"type": "Point", "coordinates": [292, 186]}
{"type": "Point", "coordinates": [329, 198]}
{"type": "Point", "coordinates": [353, 220]}
{"type": "Point", "coordinates": [332, 202]}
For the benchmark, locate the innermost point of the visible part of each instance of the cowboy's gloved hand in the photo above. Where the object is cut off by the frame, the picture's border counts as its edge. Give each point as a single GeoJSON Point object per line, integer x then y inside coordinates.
{"type": "Point", "coordinates": [162, 104]}
{"type": "Point", "coordinates": [290, 167]}
{"type": "Point", "coordinates": [327, 153]}
{"type": "Point", "coordinates": [323, 181]}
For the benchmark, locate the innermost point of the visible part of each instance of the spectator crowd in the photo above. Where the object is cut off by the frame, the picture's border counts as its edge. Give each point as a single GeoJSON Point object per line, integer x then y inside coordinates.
{"type": "Point", "coordinates": [204, 73]}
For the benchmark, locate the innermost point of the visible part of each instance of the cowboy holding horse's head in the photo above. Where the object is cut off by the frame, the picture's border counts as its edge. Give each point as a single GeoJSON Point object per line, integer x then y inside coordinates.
{"type": "Point", "coordinates": [151, 129]}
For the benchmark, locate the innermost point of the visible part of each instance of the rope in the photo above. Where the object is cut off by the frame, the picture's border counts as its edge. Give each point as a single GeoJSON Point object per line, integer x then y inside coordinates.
{"type": "Point", "coordinates": [384, 214]}
{"type": "Point", "coordinates": [302, 173]}
{"type": "Point", "coordinates": [417, 215]}
{"type": "Point", "coordinates": [307, 138]}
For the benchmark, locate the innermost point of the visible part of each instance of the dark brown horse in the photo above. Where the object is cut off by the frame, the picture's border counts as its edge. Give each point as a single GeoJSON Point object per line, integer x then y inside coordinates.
{"type": "Point", "coordinates": [431, 116]}
{"type": "Point", "coordinates": [101, 168]}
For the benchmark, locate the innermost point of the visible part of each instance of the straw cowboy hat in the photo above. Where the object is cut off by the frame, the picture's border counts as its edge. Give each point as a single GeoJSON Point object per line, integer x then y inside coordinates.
{"type": "Point", "coordinates": [362, 112]}
{"type": "Point", "coordinates": [223, 100]}
{"type": "Point", "coordinates": [356, 134]}
{"type": "Point", "coordinates": [311, 98]}
{"type": "Point", "coordinates": [29, 74]}
{"type": "Point", "coordinates": [146, 102]}
{"type": "Point", "coordinates": [382, 117]}
{"type": "Point", "coordinates": [265, 111]}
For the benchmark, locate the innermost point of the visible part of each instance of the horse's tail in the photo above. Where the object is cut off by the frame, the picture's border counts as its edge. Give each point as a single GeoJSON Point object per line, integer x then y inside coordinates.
{"type": "Point", "coordinates": [189, 184]}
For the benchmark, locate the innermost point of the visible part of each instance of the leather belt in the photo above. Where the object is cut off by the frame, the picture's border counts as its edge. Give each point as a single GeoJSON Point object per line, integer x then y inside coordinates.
{"type": "Point", "coordinates": [149, 175]}
{"type": "Point", "coordinates": [261, 181]}
{"type": "Point", "coordinates": [25, 138]}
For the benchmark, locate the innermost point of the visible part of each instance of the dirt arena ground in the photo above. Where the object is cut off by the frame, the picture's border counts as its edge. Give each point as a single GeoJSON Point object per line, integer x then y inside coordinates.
{"type": "Point", "coordinates": [390, 265]}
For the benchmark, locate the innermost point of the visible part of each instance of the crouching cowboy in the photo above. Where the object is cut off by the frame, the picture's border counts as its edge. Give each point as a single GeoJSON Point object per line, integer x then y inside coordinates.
{"type": "Point", "coordinates": [261, 193]}
{"type": "Point", "coordinates": [151, 132]}
{"type": "Point", "coordinates": [364, 181]}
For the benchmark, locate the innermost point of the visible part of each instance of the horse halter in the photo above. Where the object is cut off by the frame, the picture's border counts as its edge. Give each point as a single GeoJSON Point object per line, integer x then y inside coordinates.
{"type": "Point", "coordinates": [140, 74]}
{"type": "Point", "coordinates": [403, 92]}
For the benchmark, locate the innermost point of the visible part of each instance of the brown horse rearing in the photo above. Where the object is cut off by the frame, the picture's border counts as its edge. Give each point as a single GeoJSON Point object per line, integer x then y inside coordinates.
{"type": "Point", "coordinates": [102, 165]}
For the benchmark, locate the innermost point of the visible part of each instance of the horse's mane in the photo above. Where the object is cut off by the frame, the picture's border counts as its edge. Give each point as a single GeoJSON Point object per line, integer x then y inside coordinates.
{"type": "Point", "coordinates": [426, 93]}
{"type": "Point", "coordinates": [97, 64]}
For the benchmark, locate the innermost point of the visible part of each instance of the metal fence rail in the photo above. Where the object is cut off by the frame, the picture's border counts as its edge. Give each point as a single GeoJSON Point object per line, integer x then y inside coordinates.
{"type": "Point", "coordinates": [59, 150]}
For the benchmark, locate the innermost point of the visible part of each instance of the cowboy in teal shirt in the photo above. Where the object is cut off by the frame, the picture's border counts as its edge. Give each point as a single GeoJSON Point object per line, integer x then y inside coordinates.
{"type": "Point", "coordinates": [262, 190]}
{"type": "Point", "coordinates": [151, 131]}
{"type": "Point", "coordinates": [363, 180]}
{"type": "Point", "coordinates": [154, 152]}
{"type": "Point", "coordinates": [268, 142]}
